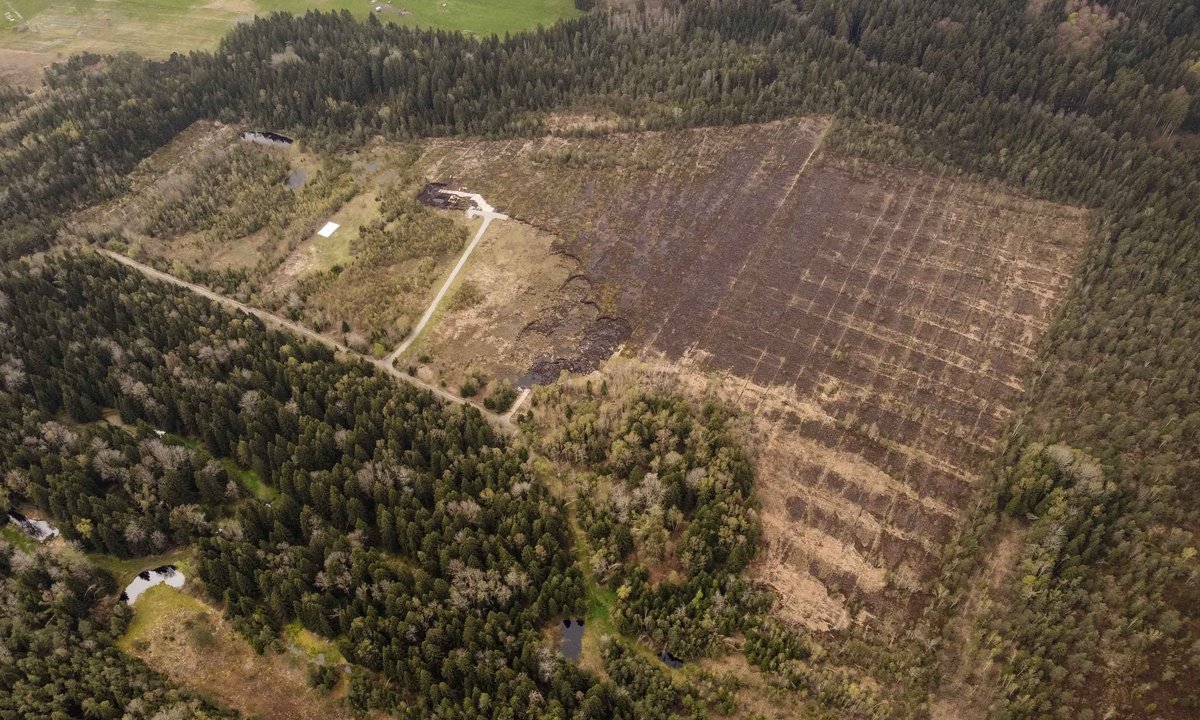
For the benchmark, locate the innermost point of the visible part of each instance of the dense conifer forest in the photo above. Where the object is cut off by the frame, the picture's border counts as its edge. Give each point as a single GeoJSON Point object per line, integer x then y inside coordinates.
{"type": "Point", "coordinates": [422, 537]}
{"type": "Point", "coordinates": [410, 530]}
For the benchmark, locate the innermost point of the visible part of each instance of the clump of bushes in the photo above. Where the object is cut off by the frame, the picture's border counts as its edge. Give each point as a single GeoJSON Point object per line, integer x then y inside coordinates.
{"type": "Point", "coordinates": [467, 296]}
{"type": "Point", "coordinates": [471, 386]}
{"type": "Point", "coordinates": [501, 398]}
{"type": "Point", "coordinates": [322, 677]}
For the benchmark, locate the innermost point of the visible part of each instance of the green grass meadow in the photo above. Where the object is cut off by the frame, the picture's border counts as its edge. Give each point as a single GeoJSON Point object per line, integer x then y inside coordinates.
{"type": "Point", "coordinates": [481, 17]}
{"type": "Point", "coordinates": [55, 29]}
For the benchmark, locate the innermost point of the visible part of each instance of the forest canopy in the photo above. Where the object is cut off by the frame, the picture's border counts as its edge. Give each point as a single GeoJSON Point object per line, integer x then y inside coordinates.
{"type": "Point", "coordinates": [420, 536]}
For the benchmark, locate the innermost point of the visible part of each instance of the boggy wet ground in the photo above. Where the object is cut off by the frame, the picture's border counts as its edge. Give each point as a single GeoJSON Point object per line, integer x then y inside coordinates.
{"type": "Point", "coordinates": [876, 323]}
{"type": "Point", "coordinates": [572, 638]}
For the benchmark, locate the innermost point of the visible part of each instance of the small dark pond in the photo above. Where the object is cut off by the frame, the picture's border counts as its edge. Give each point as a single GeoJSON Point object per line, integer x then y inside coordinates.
{"type": "Point", "coordinates": [147, 579]}
{"type": "Point", "coordinates": [670, 660]}
{"type": "Point", "coordinates": [39, 530]}
{"type": "Point", "coordinates": [572, 640]}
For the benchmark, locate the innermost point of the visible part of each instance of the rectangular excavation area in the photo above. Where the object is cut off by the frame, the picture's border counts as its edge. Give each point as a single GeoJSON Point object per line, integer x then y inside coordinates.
{"type": "Point", "coordinates": [877, 323]}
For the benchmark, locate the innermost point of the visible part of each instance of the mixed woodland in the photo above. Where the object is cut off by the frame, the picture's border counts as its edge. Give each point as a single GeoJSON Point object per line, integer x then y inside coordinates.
{"type": "Point", "coordinates": [426, 542]}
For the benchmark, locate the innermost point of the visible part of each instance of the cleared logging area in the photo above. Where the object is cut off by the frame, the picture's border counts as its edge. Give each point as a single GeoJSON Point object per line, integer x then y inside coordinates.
{"type": "Point", "coordinates": [520, 312]}
{"type": "Point", "coordinates": [877, 322]}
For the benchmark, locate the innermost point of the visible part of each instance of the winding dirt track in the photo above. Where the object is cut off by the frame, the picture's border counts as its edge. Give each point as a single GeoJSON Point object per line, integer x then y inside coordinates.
{"type": "Point", "coordinates": [503, 422]}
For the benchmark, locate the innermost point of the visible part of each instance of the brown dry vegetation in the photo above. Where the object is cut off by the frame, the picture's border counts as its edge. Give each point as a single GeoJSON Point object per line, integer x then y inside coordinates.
{"type": "Point", "coordinates": [757, 695]}
{"type": "Point", "coordinates": [285, 266]}
{"type": "Point", "coordinates": [876, 323]}
{"type": "Point", "coordinates": [1086, 25]}
{"type": "Point", "coordinates": [962, 694]}
{"type": "Point", "coordinates": [531, 315]}
{"type": "Point", "coordinates": [190, 643]}
{"type": "Point", "coordinates": [20, 68]}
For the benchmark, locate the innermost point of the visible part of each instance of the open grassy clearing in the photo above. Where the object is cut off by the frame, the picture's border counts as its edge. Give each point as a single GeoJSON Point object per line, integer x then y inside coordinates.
{"type": "Point", "coordinates": [56, 30]}
{"type": "Point", "coordinates": [35, 33]}
{"type": "Point", "coordinates": [520, 312]}
{"type": "Point", "coordinates": [474, 17]}
{"type": "Point", "coordinates": [598, 623]}
{"type": "Point", "coordinates": [314, 647]}
{"type": "Point", "coordinates": [18, 538]}
{"type": "Point", "coordinates": [250, 481]}
{"type": "Point", "coordinates": [189, 642]}
{"type": "Point", "coordinates": [385, 287]}
{"type": "Point", "coordinates": [242, 219]}
{"type": "Point", "coordinates": [874, 322]}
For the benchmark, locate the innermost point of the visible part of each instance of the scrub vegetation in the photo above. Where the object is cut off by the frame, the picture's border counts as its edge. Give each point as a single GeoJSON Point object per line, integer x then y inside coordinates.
{"type": "Point", "coordinates": [903, 425]}
{"type": "Point", "coordinates": [189, 642]}
{"type": "Point", "coordinates": [218, 211]}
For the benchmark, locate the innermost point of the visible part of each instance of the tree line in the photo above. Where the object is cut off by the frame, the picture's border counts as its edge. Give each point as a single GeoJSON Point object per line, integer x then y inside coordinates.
{"type": "Point", "coordinates": [408, 531]}
{"type": "Point", "coordinates": [982, 86]}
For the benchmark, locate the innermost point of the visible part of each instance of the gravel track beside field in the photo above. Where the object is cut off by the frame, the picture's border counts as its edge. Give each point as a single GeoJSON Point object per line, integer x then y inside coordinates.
{"type": "Point", "coordinates": [278, 322]}
{"type": "Point", "coordinates": [488, 213]}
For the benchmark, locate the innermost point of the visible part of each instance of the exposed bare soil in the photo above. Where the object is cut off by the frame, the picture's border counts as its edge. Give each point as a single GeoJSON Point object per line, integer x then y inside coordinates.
{"type": "Point", "coordinates": [876, 323]}
{"type": "Point", "coordinates": [534, 316]}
